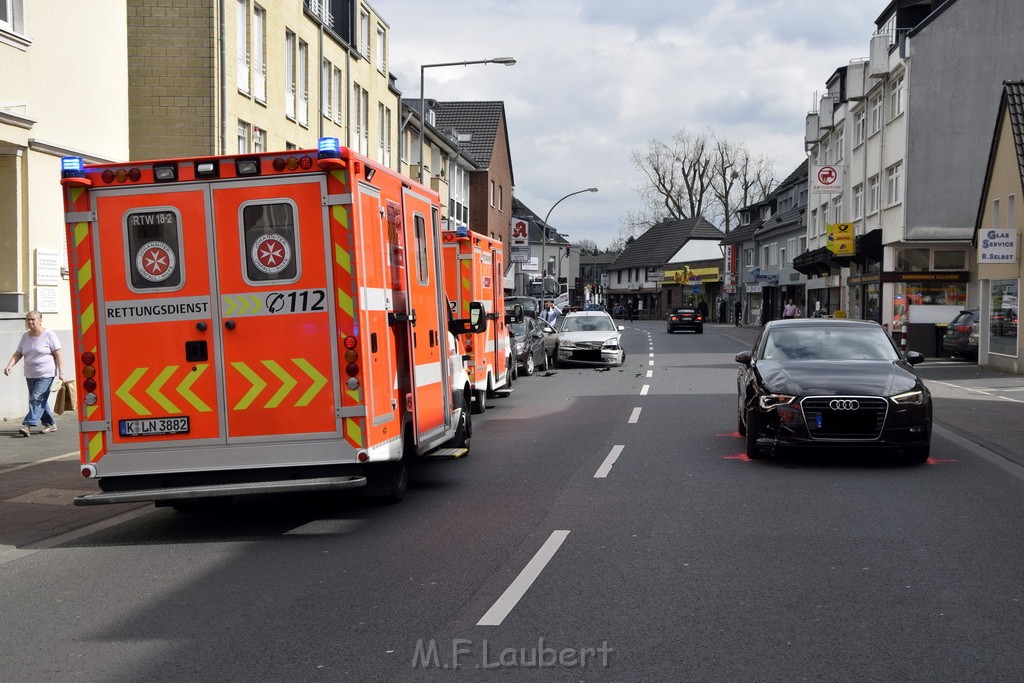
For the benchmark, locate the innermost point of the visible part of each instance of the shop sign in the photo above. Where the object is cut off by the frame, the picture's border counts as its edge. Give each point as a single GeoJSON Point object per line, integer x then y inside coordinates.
{"type": "Point", "coordinates": [997, 246]}
{"type": "Point", "coordinates": [948, 276]}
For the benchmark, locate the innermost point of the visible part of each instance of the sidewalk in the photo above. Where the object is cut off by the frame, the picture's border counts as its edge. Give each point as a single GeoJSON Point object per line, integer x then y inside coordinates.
{"type": "Point", "coordinates": [39, 478]}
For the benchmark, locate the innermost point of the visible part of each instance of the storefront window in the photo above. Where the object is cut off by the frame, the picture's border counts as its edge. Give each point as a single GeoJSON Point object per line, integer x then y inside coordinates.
{"type": "Point", "coordinates": [1002, 322]}
{"type": "Point", "coordinates": [912, 260]}
{"type": "Point", "coordinates": [910, 294]}
{"type": "Point", "coordinates": [950, 260]}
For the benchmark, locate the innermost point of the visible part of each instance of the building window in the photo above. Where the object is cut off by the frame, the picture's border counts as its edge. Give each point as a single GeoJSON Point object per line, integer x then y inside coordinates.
{"type": "Point", "coordinates": [896, 98]}
{"type": "Point", "coordinates": [837, 209]}
{"type": "Point", "coordinates": [491, 198]}
{"type": "Point", "coordinates": [303, 83]}
{"type": "Point", "coordinates": [243, 137]}
{"type": "Point", "coordinates": [387, 136]}
{"type": "Point", "coordinates": [258, 140]}
{"type": "Point", "coordinates": [364, 33]}
{"type": "Point", "coordinates": [326, 71]}
{"type": "Point", "coordinates": [501, 196]}
{"type": "Point", "coordinates": [858, 200]}
{"type": "Point", "coordinates": [873, 198]}
{"type": "Point", "coordinates": [259, 52]}
{"type": "Point", "coordinates": [860, 127]}
{"type": "Point", "coordinates": [949, 259]}
{"type": "Point", "coordinates": [381, 128]}
{"type": "Point", "coordinates": [894, 183]}
{"type": "Point", "coordinates": [748, 257]}
{"type": "Point", "coordinates": [242, 45]}
{"type": "Point", "coordinates": [336, 96]}
{"type": "Point", "coordinates": [382, 53]}
{"type": "Point", "coordinates": [912, 260]}
{"type": "Point", "coordinates": [12, 16]}
{"type": "Point", "coordinates": [1010, 220]}
{"type": "Point", "coordinates": [289, 68]}
{"type": "Point", "coordinates": [876, 113]}
{"type": "Point", "coordinates": [840, 145]}
{"type": "Point", "coordinates": [1003, 317]}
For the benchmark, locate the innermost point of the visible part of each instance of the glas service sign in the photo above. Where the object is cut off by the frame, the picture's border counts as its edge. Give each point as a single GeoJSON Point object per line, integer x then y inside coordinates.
{"type": "Point", "coordinates": [997, 246]}
{"type": "Point", "coordinates": [826, 179]}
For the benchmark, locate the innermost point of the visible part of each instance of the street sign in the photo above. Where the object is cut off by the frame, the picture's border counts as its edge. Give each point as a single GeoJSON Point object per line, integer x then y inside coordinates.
{"type": "Point", "coordinates": [695, 289]}
{"type": "Point", "coordinates": [519, 256]}
{"type": "Point", "coordinates": [519, 233]}
{"type": "Point", "coordinates": [826, 179]}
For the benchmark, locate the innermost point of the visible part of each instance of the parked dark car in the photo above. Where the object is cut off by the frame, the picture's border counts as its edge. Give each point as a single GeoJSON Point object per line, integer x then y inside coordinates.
{"type": "Point", "coordinates": [961, 338]}
{"type": "Point", "coordinates": [823, 384]}
{"type": "Point", "coordinates": [685, 319]}
{"type": "Point", "coordinates": [531, 306]}
{"type": "Point", "coordinates": [528, 342]}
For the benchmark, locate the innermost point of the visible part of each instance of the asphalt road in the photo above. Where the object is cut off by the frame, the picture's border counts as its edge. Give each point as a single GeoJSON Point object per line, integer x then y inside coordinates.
{"type": "Point", "coordinates": [606, 526]}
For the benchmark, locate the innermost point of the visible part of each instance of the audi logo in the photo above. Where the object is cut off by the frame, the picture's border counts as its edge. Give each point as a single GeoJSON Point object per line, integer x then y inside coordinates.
{"type": "Point", "coordinates": [844, 404]}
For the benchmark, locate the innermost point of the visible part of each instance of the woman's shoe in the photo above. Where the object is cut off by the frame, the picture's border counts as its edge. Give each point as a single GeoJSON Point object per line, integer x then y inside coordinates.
{"type": "Point", "coordinates": [25, 431]}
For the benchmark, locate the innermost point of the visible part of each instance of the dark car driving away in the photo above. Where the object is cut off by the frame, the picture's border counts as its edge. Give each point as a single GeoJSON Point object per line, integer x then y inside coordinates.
{"type": "Point", "coordinates": [961, 338]}
{"type": "Point", "coordinates": [824, 384]}
{"type": "Point", "coordinates": [685, 319]}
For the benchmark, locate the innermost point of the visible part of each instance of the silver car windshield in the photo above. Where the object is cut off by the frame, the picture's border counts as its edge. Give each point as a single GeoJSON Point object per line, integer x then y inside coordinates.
{"type": "Point", "coordinates": [588, 323]}
{"type": "Point", "coordinates": [828, 343]}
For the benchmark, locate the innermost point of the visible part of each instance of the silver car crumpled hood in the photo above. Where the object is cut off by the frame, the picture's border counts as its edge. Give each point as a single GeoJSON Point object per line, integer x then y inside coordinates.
{"type": "Point", "coordinates": [834, 378]}
{"type": "Point", "coordinates": [595, 339]}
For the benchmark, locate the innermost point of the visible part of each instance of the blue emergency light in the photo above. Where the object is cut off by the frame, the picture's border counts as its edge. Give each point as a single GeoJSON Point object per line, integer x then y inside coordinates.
{"type": "Point", "coordinates": [328, 148]}
{"type": "Point", "coordinates": [72, 167]}
{"type": "Point", "coordinates": [462, 231]}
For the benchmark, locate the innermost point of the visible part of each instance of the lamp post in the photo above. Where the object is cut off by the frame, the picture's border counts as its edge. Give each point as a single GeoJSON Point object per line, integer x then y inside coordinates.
{"type": "Point", "coordinates": [507, 61]}
{"type": "Point", "coordinates": [544, 244]}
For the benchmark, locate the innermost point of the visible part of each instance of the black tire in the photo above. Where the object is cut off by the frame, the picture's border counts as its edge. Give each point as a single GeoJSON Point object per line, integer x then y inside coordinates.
{"type": "Point", "coordinates": [741, 426]}
{"type": "Point", "coordinates": [464, 430]}
{"type": "Point", "coordinates": [668, 330]}
{"type": "Point", "coordinates": [754, 428]}
{"type": "Point", "coordinates": [544, 368]}
{"type": "Point", "coordinates": [700, 330]}
{"type": "Point", "coordinates": [917, 455]}
{"type": "Point", "coordinates": [529, 367]}
{"type": "Point", "coordinates": [513, 372]}
{"type": "Point", "coordinates": [479, 401]}
{"type": "Point", "coordinates": [391, 479]}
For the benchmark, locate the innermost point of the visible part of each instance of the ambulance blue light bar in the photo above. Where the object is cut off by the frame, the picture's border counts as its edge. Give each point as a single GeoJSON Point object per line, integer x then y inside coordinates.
{"type": "Point", "coordinates": [72, 167]}
{"type": "Point", "coordinates": [328, 148]}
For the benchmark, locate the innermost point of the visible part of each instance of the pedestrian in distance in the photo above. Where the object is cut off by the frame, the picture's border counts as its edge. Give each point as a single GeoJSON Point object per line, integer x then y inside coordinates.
{"type": "Point", "coordinates": [739, 310]}
{"type": "Point", "coordinates": [550, 313]}
{"type": "Point", "coordinates": [790, 310]}
{"type": "Point", "coordinates": [631, 312]}
{"type": "Point", "coordinates": [723, 312]}
{"type": "Point", "coordinates": [40, 348]}
{"type": "Point", "coordinates": [702, 308]}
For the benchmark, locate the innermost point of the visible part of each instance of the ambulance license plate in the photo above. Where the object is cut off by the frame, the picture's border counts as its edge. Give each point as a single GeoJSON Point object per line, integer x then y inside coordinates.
{"type": "Point", "coordinates": [155, 426]}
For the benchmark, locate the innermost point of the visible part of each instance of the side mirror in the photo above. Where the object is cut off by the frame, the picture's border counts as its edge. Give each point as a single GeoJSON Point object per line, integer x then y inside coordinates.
{"type": "Point", "coordinates": [743, 357]}
{"type": "Point", "coordinates": [477, 321]}
{"type": "Point", "coordinates": [914, 357]}
{"type": "Point", "coordinates": [514, 314]}
{"type": "Point", "coordinates": [622, 328]}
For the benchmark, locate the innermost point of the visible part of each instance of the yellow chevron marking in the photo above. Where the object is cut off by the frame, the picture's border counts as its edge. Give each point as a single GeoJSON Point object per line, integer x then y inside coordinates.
{"type": "Point", "coordinates": [95, 446]}
{"type": "Point", "coordinates": [318, 382]}
{"type": "Point", "coordinates": [229, 304]}
{"type": "Point", "coordinates": [76, 192]}
{"type": "Point", "coordinates": [84, 275]}
{"type": "Point", "coordinates": [353, 394]}
{"type": "Point", "coordinates": [345, 302]}
{"type": "Point", "coordinates": [342, 258]}
{"type": "Point", "coordinates": [354, 433]}
{"type": "Point", "coordinates": [184, 388]}
{"type": "Point", "coordinates": [153, 391]}
{"type": "Point", "coordinates": [255, 303]}
{"type": "Point", "coordinates": [287, 383]}
{"type": "Point", "coordinates": [81, 232]}
{"type": "Point", "coordinates": [124, 392]}
{"type": "Point", "coordinates": [258, 385]}
{"type": "Point", "coordinates": [88, 318]}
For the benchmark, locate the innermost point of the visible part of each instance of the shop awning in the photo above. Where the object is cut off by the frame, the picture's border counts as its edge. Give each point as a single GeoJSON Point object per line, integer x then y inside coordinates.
{"type": "Point", "coordinates": [813, 263]}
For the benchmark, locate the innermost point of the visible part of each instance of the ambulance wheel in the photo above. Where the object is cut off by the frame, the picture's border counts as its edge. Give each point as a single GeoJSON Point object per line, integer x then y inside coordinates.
{"type": "Point", "coordinates": [391, 479]}
{"type": "Point", "coordinates": [464, 430]}
{"type": "Point", "coordinates": [479, 401]}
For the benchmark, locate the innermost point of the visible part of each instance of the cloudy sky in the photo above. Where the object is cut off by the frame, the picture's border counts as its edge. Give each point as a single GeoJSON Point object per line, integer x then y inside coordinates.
{"type": "Point", "coordinates": [596, 79]}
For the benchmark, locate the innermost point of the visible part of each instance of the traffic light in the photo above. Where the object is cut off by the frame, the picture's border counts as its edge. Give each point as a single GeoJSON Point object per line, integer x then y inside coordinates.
{"type": "Point", "coordinates": [567, 249]}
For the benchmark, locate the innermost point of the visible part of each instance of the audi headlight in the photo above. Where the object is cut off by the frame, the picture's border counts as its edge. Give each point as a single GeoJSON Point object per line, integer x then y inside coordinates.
{"type": "Point", "coordinates": [910, 398]}
{"type": "Point", "coordinates": [772, 401]}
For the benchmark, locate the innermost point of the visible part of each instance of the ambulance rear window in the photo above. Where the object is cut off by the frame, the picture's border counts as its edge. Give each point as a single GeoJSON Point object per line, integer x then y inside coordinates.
{"type": "Point", "coordinates": [271, 254]}
{"type": "Point", "coordinates": [154, 250]}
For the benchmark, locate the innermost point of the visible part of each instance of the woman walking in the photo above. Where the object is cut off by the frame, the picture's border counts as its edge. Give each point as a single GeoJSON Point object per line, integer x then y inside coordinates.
{"type": "Point", "coordinates": [41, 350]}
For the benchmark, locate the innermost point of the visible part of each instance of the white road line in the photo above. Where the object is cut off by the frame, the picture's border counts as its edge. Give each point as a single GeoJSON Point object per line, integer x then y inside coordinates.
{"type": "Point", "coordinates": [650, 373]}
{"type": "Point", "coordinates": [651, 356]}
{"type": "Point", "coordinates": [645, 389]}
{"type": "Point", "coordinates": [12, 553]}
{"type": "Point", "coordinates": [517, 589]}
{"type": "Point", "coordinates": [606, 466]}
{"type": "Point", "coordinates": [976, 391]}
{"type": "Point", "coordinates": [650, 362]}
{"type": "Point", "coordinates": [66, 456]}
{"type": "Point", "coordinates": [635, 416]}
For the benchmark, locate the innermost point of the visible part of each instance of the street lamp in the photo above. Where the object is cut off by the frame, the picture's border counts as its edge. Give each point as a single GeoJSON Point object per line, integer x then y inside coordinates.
{"type": "Point", "coordinates": [544, 244]}
{"type": "Point", "coordinates": [507, 61]}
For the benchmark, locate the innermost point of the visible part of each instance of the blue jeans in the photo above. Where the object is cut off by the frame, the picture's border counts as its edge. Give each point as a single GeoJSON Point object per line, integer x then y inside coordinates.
{"type": "Point", "coordinates": [39, 402]}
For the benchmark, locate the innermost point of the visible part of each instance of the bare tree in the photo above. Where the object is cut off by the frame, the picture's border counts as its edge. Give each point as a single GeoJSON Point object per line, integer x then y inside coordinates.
{"type": "Point", "coordinates": [587, 246]}
{"type": "Point", "coordinates": [696, 175]}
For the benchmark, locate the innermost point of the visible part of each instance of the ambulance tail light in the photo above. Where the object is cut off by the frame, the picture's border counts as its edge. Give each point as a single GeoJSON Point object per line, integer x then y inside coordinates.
{"type": "Point", "coordinates": [89, 471]}
{"type": "Point", "coordinates": [351, 368]}
{"type": "Point", "coordinates": [469, 344]}
{"type": "Point", "coordinates": [88, 371]}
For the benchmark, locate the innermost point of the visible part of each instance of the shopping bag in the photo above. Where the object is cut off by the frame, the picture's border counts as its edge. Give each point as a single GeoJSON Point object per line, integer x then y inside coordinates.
{"type": "Point", "coordinates": [65, 398]}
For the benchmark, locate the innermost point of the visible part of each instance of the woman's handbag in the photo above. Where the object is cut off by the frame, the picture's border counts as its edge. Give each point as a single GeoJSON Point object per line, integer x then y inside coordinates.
{"type": "Point", "coordinates": [66, 398]}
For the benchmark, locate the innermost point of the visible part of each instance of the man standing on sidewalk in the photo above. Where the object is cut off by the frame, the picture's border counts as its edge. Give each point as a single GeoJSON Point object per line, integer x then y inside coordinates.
{"type": "Point", "coordinates": [739, 310]}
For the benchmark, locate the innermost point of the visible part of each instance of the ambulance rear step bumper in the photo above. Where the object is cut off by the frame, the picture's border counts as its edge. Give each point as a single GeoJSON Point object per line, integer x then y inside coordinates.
{"type": "Point", "coordinates": [222, 490]}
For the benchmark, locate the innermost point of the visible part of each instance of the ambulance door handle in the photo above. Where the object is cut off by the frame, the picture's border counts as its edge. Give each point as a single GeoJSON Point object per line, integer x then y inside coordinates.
{"type": "Point", "coordinates": [230, 324]}
{"type": "Point", "coordinates": [201, 326]}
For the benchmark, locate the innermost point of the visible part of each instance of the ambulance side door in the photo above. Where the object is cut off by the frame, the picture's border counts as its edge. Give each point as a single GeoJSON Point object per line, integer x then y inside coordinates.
{"type": "Point", "coordinates": [429, 338]}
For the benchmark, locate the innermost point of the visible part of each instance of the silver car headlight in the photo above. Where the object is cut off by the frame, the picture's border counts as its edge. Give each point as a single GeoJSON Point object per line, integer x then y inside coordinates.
{"type": "Point", "coordinates": [612, 343]}
{"type": "Point", "coordinates": [910, 398]}
{"type": "Point", "coordinates": [566, 344]}
{"type": "Point", "coordinates": [519, 347]}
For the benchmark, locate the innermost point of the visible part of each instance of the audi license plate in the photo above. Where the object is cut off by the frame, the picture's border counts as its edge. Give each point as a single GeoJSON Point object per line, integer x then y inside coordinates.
{"type": "Point", "coordinates": [155, 426]}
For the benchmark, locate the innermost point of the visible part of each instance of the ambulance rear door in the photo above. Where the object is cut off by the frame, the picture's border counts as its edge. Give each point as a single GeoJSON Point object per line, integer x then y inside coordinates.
{"type": "Point", "coordinates": [273, 309]}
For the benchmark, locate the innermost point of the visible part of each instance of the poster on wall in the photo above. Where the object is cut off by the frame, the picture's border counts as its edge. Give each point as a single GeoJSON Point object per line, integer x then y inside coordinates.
{"type": "Point", "coordinates": [46, 299]}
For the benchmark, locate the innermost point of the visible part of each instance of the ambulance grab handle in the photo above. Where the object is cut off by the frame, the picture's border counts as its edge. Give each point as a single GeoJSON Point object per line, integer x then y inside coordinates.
{"type": "Point", "coordinates": [230, 324]}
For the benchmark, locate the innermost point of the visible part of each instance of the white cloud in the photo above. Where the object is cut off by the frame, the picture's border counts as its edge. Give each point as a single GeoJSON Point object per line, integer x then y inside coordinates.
{"type": "Point", "coordinates": [595, 79]}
